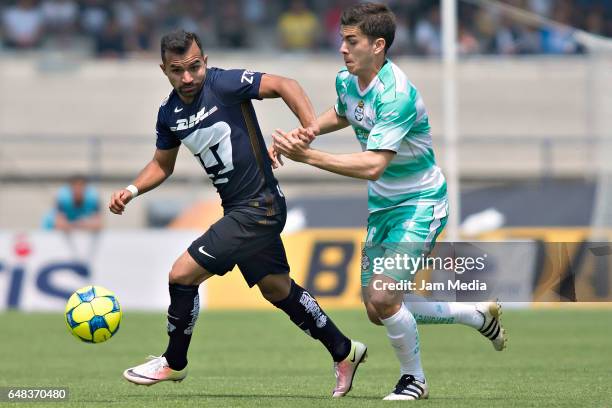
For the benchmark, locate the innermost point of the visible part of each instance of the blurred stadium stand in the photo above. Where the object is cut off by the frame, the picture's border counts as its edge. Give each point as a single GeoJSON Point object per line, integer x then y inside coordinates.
{"type": "Point", "coordinates": [120, 28]}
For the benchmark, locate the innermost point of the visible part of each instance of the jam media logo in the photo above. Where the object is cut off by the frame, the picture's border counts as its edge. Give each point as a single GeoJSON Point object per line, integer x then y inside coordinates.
{"type": "Point", "coordinates": [359, 111]}
{"type": "Point", "coordinates": [14, 273]}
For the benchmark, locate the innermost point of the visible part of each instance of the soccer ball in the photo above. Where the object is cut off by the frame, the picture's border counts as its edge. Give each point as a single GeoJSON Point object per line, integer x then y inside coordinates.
{"type": "Point", "coordinates": [93, 314]}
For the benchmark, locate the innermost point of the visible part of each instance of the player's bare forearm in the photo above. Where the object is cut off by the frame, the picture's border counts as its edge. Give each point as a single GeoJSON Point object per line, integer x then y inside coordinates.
{"type": "Point", "coordinates": [299, 103]}
{"type": "Point", "coordinates": [151, 176]}
{"type": "Point", "coordinates": [294, 96]}
{"type": "Point", "coordinates": [329, 121]}
{"type": "Point", "coordinates": [369, 165]}
{"type": "Point", "coordinates": [366, 165]}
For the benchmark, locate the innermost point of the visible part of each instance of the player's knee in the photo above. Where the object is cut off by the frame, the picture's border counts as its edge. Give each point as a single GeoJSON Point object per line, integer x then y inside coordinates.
{"type": "Point", "coordinates": [372, 314]}
{"type": "Point", "coordinates": [271, 295]}
{"type": "Point", "coordinates": [179, 275]}
{"type": "Point", "coordinates": [383, 304]}
{"type": "Point", "coordinates": [275, 288]}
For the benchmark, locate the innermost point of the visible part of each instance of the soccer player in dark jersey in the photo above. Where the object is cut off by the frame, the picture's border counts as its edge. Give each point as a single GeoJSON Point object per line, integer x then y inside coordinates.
{"type": "Point", "coordinates": [210, 112]}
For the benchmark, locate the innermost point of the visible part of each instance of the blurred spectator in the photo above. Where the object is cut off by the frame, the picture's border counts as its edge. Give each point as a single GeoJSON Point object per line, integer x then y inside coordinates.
{"type": "Point", "coordinates": [77, 206]}
{"type": "Point", "coordinates": [22, 25]}
{"type": "Point", "coordinates": [255, 11]}
{"type": "Point", "coordinates": [485, 25]}
{"type": "Point", "coordinates": [195, 16]}
{"type": "Point", "coordinates": [556, 39]}
{"type": "Point", "coordinates": [428, 33]}
{"type": "Point", "coordinates": [125, 14]}
{"type": "Point", "coordinates": [60, 16]}
{"type": "Point", "coordinates": [507, 37]}
{"type": "Point", "coordinates": [468, 43]}
{"type": "Point", "coordinates": [595, 22]}
{"type": "Point", "coordinates": [402, 41]}
{"type": "Point", "coordinates": [331, 21]}
{"type": "Point", "coordinates": [139, 38]}
{"type": "Point", "coordinates": [232, 31]}
{"type": "Point", "coordinates": [298, 27]}
{"type": "Point", "coordinates": [60, 21]}
{"type": "Point", "coordinates": [111, 42]}
{"type": "Point", "coordinates": [541, 7]}
{"type": "Point", "coordinates": [94, 16]}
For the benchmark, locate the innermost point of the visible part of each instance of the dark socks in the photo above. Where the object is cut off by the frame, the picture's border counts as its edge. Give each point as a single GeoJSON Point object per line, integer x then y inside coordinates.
{"type": "Point", "coordinates": [305, 312]}
{"type": "Point", "coordinates": [182, 314]}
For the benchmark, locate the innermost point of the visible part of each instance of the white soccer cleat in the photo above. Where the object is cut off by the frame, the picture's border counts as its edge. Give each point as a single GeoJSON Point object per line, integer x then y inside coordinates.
{"type": "Point", "coordinates": [492, 328]}
{"type": "Point", "coordinates": [153, 371]}
{"type": "Point", "coordinates": [408, 388]}
{"type": "Point", "coordinates": [345, 370]}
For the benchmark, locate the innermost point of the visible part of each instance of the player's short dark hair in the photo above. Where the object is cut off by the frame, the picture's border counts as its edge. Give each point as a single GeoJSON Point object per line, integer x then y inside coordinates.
{"type": "Point", "coordinates": [178, 42]}
{"type": "Point", "coordinates": [375, 20]}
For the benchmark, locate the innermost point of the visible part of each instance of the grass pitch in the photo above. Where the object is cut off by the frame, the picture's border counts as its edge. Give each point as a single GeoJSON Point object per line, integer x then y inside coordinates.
{"type": "Point", "coordinates": [259, 359]}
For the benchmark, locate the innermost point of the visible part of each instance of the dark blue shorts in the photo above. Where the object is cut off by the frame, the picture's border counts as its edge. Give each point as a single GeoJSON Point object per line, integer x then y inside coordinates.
{"type": "Point", "coordinates": [246, 237]}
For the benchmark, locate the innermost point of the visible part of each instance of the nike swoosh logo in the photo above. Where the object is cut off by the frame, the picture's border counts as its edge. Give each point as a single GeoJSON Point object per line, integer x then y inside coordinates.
{"type": "Point", "coordinates": [201, 249]}
{"type": "Point", "coordinates": [177, 110]}
{"type": "Point", "coordinates": [135, 374]}
{"type": "Point", "coordinates": [354, 355]}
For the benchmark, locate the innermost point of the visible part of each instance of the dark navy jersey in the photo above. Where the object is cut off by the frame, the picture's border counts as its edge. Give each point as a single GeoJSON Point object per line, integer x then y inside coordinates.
{"type": "Point", "coordinates": [221, 130]}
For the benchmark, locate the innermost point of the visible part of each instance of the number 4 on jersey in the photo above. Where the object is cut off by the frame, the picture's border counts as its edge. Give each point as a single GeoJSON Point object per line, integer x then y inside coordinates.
{"type": "Point", "coordinates": [213, 163]}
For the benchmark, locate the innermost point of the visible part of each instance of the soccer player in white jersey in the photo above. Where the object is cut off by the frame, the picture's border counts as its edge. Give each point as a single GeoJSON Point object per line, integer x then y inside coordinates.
{"type": "Point", "coordinates": [406, 190]}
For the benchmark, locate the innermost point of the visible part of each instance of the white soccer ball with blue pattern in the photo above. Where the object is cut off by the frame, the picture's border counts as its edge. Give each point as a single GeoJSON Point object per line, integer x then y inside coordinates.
{"type": "Point", "coordinates": [93, 314]}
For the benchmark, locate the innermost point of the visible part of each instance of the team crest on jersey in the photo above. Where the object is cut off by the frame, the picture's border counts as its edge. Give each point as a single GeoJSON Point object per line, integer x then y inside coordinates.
{"type": "Point", "coordinates": [359, 111]}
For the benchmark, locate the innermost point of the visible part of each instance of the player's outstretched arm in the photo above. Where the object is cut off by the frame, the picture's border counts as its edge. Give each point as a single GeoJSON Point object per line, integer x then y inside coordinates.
{"type": "Point", "coordinates": [329, 121]}
{"type": "Point", "coordinates": [369, 165]}
{"type": "Point", "coordinates": [151, 176]}
{"type": "Point", "coordinates": [294, 96]}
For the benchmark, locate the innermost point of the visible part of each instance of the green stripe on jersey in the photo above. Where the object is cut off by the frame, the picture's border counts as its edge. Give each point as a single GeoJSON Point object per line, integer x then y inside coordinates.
{"type": "Point", "coordinates": [390, 115]}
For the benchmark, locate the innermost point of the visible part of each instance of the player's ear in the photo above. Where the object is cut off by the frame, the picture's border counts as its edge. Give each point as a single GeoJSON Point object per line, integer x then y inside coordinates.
{"type": "Point", "coordinates": [163, 68]}
{"type": "Point", "coordinates": [205, 59]}
{"type": "Point", "coordinates": [379, 45]}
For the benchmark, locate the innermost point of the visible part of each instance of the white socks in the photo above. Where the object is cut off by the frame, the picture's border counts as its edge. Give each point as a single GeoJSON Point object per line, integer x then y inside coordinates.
{"type": "Point", "coordinates": [431, 312]}
{"type": "Point", "coordinates": [404, 337]}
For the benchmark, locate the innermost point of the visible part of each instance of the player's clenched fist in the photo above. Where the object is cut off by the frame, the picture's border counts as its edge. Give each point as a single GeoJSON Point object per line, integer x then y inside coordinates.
{"type": "Point", "coordinates": [119, 200]}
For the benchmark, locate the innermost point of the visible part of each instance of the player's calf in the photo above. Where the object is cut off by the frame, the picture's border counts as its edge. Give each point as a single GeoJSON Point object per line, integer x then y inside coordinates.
{"type": "Point", "coordinates": [305, 312]}
{"type": "Point", "coordinates": [183, 313]}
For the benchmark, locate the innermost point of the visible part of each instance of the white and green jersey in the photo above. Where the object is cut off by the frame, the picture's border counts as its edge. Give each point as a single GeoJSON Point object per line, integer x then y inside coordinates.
{"type": "Point", "coordinates": [390, 115]}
